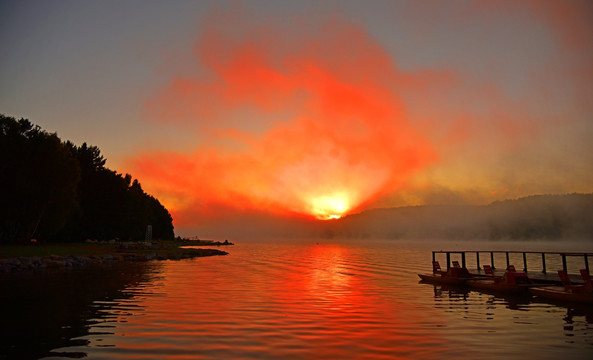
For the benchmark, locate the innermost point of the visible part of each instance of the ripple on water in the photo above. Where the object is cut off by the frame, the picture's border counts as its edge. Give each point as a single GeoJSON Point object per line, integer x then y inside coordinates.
{"type": "Point", "coordinates": [322, 301]}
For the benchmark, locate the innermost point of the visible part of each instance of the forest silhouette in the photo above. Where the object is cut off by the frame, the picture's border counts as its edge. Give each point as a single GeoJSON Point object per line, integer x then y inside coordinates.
{"type": "Point", "coordinates": [55, 191]}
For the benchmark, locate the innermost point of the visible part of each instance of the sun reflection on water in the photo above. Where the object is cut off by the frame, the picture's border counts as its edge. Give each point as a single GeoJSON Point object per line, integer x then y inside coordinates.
{"type": "Point", "coordinates": [275, 300]}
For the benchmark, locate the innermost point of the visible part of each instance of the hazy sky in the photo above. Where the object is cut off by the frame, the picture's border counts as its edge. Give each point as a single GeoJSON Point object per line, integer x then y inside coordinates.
{"type": "Point", "coordinates": [306, 108]}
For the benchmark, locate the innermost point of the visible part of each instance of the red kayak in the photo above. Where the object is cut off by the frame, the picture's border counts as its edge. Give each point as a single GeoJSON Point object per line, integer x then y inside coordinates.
{"type": "Point", "coordinates": [568, 292]}
{"type": "Point", "coordinates": [454, 276]}
{"type": "Point", "coordinates": [563, 293]}
{"type": "Point", "coordinates": [510, 282]}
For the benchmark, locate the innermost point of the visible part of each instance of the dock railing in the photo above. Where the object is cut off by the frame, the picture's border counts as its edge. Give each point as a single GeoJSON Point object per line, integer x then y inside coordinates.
{"type": "Point", "coordinates": [563, 255]}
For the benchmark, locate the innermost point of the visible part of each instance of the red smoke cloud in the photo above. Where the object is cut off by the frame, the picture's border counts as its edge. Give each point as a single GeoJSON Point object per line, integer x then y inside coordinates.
{"type": "Point", "coordinates": [306, 124]}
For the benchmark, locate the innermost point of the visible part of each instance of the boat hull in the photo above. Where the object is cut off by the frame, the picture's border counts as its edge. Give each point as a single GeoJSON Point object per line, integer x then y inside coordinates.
{"type": "Point", "coordinates": [498, 286]}
{"type": "Point", "coordinates": [443, 279]}
{"type": "Point", "coordinates": [562, 293]}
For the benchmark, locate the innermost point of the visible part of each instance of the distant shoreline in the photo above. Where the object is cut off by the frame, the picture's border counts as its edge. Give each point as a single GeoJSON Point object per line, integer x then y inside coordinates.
{"type": "Point", "coordinates": [206, 242]}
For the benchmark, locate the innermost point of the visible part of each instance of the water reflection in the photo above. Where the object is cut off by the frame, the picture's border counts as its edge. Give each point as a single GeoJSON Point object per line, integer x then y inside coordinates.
{"type": "Point", "coordinates": [449, 291]}
{"type": "Point", "coordinates": [269, 301]}
{"type": "Point", "coordinates": [572, 309]}
{"type": "Point", "coordinates": [318, 301]}
{"type": "Point", "coordinates": [574, 321]}
{"type": "Point", "coordinates": [45, 310]}
{"type": "Point", "coordinates": [521, 301]}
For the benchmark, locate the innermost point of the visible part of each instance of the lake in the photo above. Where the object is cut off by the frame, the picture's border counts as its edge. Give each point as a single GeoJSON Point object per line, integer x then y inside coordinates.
{"type": "Point", "coordinates": [300, 299]}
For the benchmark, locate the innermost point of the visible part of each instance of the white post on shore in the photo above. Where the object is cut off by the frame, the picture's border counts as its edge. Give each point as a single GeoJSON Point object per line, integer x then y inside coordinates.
{"type": "Point", "coordinates": [148, 233]}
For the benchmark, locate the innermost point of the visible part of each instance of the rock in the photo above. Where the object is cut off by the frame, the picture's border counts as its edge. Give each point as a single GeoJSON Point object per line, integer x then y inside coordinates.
{"type": "Point", "coordinates": [8, 265]}
{"type": "Point", "coordinates": [54, 263]}
{"type": "Point", "coordinates": [108, 257]}
{"type": "Point", "coordinates": [84, 260]}
{"type": "Point", "coordinates": [26, 263]}
{"type": "Point", "coordinates": [60, 262]}
{"type": "Point", "coordinates": [11, 261]}
{"type": "Point", "coordinates": [150, 256]}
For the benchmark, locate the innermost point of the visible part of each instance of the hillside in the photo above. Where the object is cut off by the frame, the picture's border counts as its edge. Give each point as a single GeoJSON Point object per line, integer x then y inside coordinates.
{"type": "Point", "coordinates": [533, 217]}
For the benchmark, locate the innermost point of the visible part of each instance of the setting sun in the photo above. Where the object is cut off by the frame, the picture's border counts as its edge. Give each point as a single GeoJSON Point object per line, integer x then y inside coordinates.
{"type": "Point", "coordinates": [329, 207]}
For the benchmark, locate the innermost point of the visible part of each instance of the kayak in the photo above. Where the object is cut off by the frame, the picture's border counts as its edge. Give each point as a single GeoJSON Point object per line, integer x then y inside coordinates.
{"type": "Point", "coordinates": [564, 293]}
{"type": "Point", "coordinates": [511, 282]}
{"type": "Point", "coordinates": [568, 292]}
{"type": "Point", "coordinates": [454, 276]}
{"type": "Point", "coordinates": [443, 279]}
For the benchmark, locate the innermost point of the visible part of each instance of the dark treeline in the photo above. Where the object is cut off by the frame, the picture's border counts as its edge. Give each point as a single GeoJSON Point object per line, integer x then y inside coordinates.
{"type": "Point", "coordinates": [52, 190]}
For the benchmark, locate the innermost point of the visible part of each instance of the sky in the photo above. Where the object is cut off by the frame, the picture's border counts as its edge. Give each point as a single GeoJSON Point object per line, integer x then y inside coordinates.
{"type": "Point", "coordinates": [312, 109]}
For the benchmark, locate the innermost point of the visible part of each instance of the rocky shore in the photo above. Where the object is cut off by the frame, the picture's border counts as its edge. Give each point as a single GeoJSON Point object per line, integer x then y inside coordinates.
{"type": "Point", "coordinates": [8, 265]}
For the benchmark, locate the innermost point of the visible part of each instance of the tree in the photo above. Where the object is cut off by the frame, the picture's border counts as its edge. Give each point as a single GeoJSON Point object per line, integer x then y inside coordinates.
{"type": "Point", "coordinates": [113, 205]}
{"type": "Point", "coordinates": [56, 191]}
{"type": "Point", "coordinates": [38, 180]}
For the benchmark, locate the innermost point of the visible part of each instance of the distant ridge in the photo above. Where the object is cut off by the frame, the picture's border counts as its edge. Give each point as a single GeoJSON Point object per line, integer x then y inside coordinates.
{"type": "Point", "coordinates": [533, 217]}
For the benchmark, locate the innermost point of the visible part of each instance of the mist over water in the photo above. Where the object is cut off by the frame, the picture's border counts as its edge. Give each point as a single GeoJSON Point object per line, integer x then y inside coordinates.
{"type": "Point", "coordinates": [553, 218]}
{"type": "Point", "coordinates": [311, 299]}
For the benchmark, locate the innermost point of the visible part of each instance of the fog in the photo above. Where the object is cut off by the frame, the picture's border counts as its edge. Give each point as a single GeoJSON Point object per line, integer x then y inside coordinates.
{"type": "Point", "coordinates": [543, 217]}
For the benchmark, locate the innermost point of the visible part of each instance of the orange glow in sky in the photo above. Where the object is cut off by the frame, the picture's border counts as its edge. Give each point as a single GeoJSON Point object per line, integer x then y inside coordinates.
{"type": "Point", "coordinates": [289, 111]}
{"type": "Point", "coordinates": [314, 127]}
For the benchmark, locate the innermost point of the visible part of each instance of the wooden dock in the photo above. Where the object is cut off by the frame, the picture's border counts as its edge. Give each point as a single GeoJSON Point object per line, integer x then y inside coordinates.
{"type": "Point", "coordinates": [540, 265]}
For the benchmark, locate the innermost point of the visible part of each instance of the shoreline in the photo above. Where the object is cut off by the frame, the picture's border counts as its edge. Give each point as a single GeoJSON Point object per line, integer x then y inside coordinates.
{"type": "Point", "coordinates": [206, 242]}
{"type": "Point", "coordinates": [81, 255]}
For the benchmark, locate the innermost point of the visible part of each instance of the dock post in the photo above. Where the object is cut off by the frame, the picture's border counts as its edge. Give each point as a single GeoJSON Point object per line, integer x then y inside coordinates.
{"type": "Point", "coordinates": [563, 261]}
{"type": "Point", "coordinates": [463, 259]}
{"type": "Point", "coordinates": [507, 253]}
{"type": "Point", "coordinates": [478, 259]}
{"type": "Point", "coordinates": [587, 264]}
{"type": "Point", "coordinates": [492, 260]}
{"type": "Point", "coordinates": [524, 262]}
{"type": "Point", "coordinates": [448, 260]}
{"type": "Point", "coordinates": [433, 257]}
{"type": "Point", "coordinates": [544, 262]}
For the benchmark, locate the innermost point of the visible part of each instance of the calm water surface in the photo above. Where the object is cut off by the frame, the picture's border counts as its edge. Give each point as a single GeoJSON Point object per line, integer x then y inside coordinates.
{"type": "Point", "coordinates": [298, 300]}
